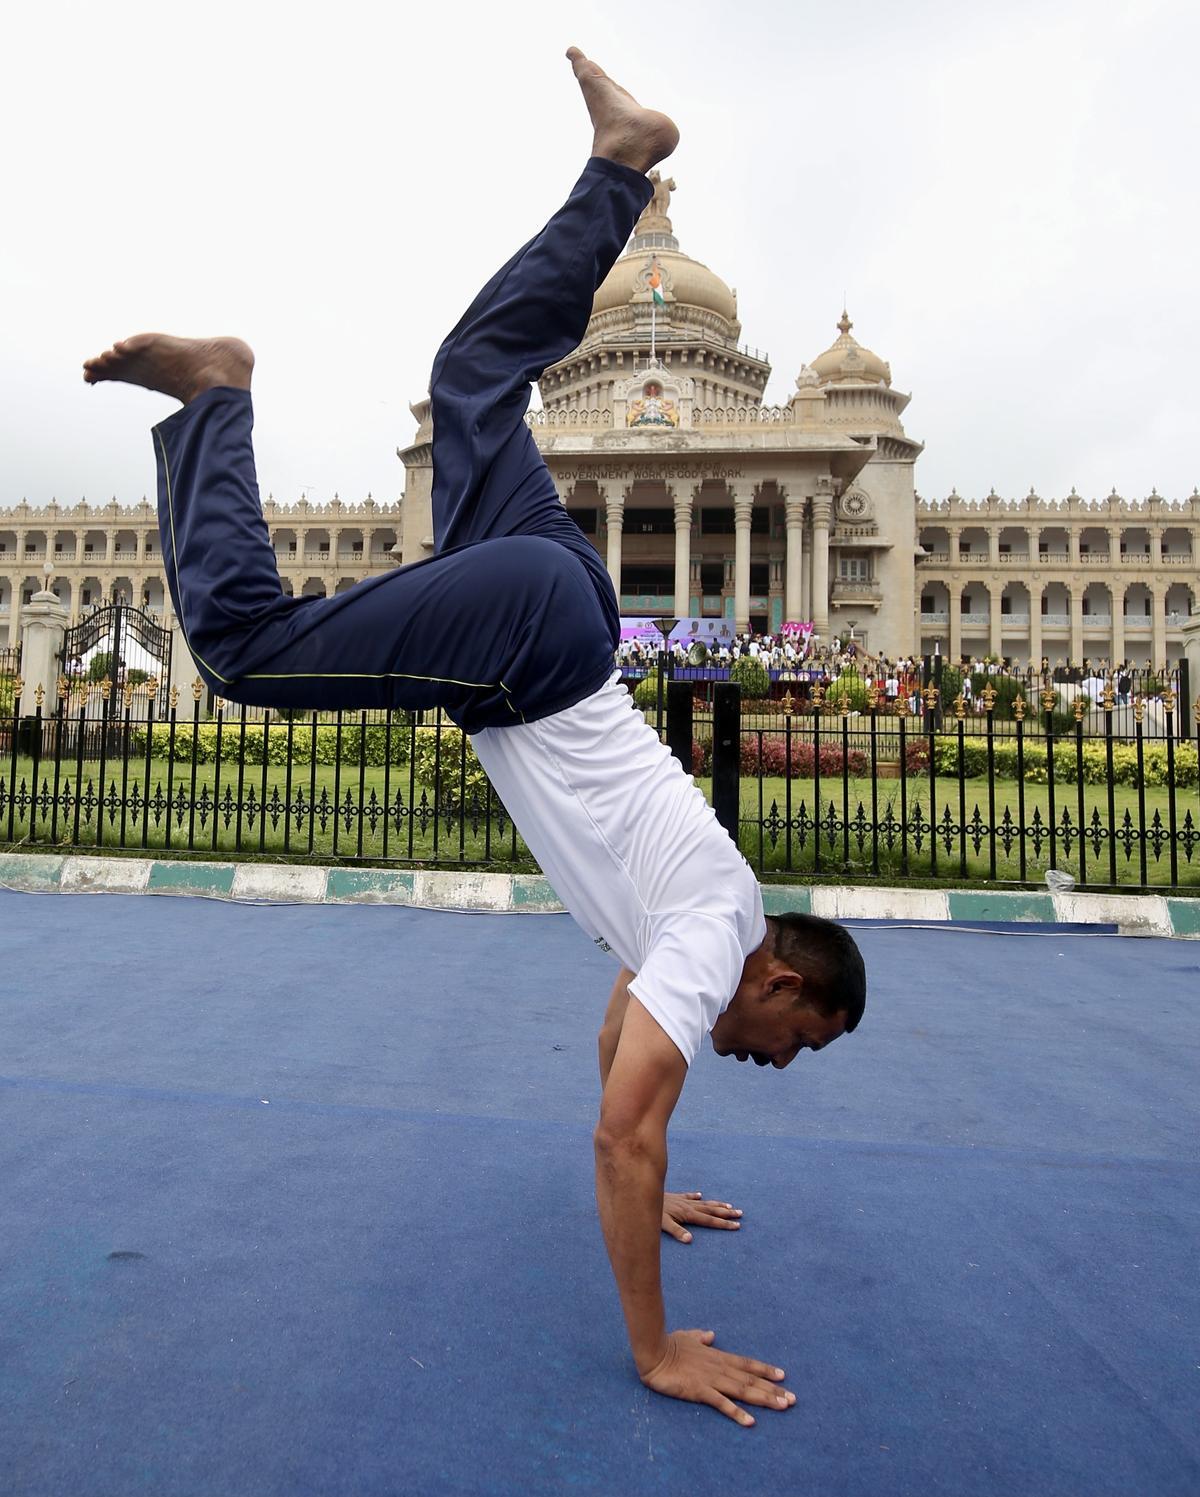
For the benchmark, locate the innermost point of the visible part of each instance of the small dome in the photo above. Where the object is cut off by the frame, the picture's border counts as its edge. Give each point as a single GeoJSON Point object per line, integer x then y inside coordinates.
{"type": "Point", "coordinates": [848, 362]}
{"type": "Point", "coordinates": [685, 281]}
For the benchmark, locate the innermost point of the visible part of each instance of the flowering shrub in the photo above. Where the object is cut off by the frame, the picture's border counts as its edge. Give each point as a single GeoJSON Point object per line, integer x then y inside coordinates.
{"type": "Point", "coordinates": [701, 758]}
{"type": "Point", "coordinates": [767, 754]}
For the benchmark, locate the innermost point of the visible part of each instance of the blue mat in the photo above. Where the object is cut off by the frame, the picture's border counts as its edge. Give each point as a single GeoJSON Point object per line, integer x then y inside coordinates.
{"type": "Point", "coordinates": [299, 1201]}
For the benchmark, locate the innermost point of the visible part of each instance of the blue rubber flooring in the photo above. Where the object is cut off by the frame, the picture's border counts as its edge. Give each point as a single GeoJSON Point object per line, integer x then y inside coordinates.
{"type": "Point", "coordinates": [298, 1200]}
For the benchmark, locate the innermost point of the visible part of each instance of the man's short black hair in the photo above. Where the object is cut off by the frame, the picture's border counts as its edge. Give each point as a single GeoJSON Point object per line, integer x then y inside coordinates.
{"type": "Point", "coordinates": [826, 956]}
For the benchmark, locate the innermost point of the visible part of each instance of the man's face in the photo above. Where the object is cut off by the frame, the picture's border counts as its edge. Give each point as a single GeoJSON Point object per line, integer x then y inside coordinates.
{"type": "Point", "coordinates": [773, 1031]}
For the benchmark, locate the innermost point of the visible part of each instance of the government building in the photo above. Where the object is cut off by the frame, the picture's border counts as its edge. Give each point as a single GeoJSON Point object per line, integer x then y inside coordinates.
{"type": "Point", "coordinates": [706, 503]}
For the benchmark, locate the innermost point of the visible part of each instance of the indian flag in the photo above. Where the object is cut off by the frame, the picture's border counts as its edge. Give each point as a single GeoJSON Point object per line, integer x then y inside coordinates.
{"type": "Point", "coordinates": [655, 284]}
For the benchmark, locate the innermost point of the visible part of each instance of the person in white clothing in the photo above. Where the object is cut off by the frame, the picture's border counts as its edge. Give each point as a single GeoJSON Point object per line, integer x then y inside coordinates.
{"type": "Point", "coordinates": [624, 835]}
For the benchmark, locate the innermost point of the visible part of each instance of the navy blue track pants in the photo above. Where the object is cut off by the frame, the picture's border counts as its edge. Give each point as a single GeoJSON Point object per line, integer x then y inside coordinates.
{"type": "Point", "coordinates": [514, 616]}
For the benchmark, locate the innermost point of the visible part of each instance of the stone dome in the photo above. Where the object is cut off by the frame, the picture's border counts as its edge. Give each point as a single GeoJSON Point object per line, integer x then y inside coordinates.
{"type": "Point", "coordinates": [685, 281]}
{"type": "Point", "coordinates": [848, 362]}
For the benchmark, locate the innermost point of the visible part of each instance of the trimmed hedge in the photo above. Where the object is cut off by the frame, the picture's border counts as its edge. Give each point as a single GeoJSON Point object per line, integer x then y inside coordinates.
{"type": "Point", "coordinates": [1095, 762]}
{"type": "Point", "coordinates": [250, 750]}
{"type": "Point", "coordinates": [456, 780]}
{"type": "Point", "coordinates": [751, 675]}
{"type": "Point", "coordinates": [645, 693]}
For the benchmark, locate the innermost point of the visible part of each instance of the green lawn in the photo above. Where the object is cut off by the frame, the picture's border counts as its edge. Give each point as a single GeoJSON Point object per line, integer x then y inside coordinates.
{"type": "Point", "coordinates": [770, 845]}
{"type": "Point", "coordinates": [344, 813]}
{"type": "Point", "coordinates": [330, 809]}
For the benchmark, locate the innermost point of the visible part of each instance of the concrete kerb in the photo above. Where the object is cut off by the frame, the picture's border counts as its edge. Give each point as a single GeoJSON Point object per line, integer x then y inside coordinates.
{"type": "Point", "coordinates": [502, 893]}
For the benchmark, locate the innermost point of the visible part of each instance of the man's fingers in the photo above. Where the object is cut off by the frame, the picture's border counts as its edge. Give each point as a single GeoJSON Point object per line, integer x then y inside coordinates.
{"type": "Point", "coordinates": [730, 1409]}
{"type": "Point", "coordinates": [756, 1390]}
{"type": "Point", "coordinates": [754, 1367]}
{"type": "Point", "coordinates": [677, 1230]}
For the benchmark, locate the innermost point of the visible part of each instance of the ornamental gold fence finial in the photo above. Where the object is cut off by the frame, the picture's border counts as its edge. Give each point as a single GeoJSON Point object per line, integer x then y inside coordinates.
{"type": "Point", "coordinates": [930, 694]}
{"type": "Point", "coordinates": [1109, 698]}
{"type": "Point", "coordinates": [1019, 705]}
{"type": "Point", "coordinates": [1139, 709]}
{"type": "Point", "coordinates": [128, 693]}
{"type": "Point", "coordinates": [173, 698]}
{"type": "Point", "coordinates": [39, 696]}
{"type": "Point", "coordinates": [64, 688]}
{"type": "Point", "coordinates": [1049, 699]}
{"type": "Point", "coordinates": [1079, 707]}
{"type": "Point", "coordinates": [197, 689]}
{"type": "Point", "coordinates": [789, 704]}
{"type": "Point", "coordinates": [989, 695]}
{"type": "Point", "coordinates": [960, 706]}
{"type": "Point", "coordinates": [1168, 700]}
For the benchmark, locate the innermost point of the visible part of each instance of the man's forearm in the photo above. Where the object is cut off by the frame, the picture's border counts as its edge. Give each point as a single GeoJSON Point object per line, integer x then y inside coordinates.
{"type": "Point", "coordinates": [629, 1192]}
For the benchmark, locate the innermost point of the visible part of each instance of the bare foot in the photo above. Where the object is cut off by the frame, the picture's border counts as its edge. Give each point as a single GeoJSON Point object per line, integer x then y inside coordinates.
{"type": "Point", "coordinates": [182, 367]}
{"type": "Point", "coordinates": [625, 132]}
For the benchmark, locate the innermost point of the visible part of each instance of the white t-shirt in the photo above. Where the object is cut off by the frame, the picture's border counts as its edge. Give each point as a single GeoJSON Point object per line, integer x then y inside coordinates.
{"type": "Point", "coordinates": [635, 853]}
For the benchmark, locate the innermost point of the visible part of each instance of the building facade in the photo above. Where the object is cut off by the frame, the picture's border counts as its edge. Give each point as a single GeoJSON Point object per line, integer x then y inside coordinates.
{"type": "Point", "coordinates": [707, 503]}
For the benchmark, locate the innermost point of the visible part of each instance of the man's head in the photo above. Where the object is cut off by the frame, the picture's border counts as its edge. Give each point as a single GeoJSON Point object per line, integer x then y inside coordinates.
{"type": "Point", "coordinates": [802, 988]}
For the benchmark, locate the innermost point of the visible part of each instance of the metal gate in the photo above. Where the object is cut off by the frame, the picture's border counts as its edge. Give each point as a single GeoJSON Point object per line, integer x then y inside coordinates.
{"type": "Point", "coordinates": [117, 660]}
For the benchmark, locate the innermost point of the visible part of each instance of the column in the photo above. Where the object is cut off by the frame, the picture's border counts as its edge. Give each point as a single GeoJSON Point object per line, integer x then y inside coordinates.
{"type": "Point", "coordinates": [110, 544]}
{"type": "Point", "coordinates": [1073, 552]}
{"type": "Point", "coordinates": [1159, 630]}
{"type": "Point", "coordinates": [822, 518]}
{"type": "Point", "coordinates": [139, 553]}
{"type": "Point", "coordinates": [955, 623]}
{"type": "Point", "coordinates": [42, 630]}
{"type": "Point", "coordinates": [806, 575]}
{"type": "Point", "coordinates": [793, 602]}
{"type": "Point", "coordinates": [994, 545]}
{"type": "Point", "coordinates": [681, 502]}
{"type": "Point", "coordinates": [1035, 625]}
{"type": "Point", "coordinates": [743, 508]}
{"type": "Point", "coordinates": [1035, 536]}
{"type": "Point", "coordinates": [1076, 655]}
{"type": "Point", "coordinates": [1117, 593]}
{"type": "Point", "coordinates": [953, 534]}
{"type": "Point", "coordinates": [614, 515]}
{"type": "Point", "coordinates": [301, 545]}
{"type": "Point", "coordinates": [1156, 549]}
{"type": "Point", "coordinates": [995, 621]}
{"type": "Point", "coordinates": [183, 675]}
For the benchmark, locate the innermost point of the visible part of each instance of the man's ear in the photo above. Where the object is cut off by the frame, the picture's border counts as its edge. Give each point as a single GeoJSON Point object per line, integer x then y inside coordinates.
{"type": "Point", "coordinates": [788, 983]}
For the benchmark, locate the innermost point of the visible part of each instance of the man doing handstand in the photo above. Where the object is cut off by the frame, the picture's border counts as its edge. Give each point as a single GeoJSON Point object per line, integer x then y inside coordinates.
{"type": "Point", "coordinates": [628, 841]}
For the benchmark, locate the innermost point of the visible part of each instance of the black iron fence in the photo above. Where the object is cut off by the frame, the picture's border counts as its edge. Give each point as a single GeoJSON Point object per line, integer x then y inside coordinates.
{"type": "Point", "coordinates": [826, 785]}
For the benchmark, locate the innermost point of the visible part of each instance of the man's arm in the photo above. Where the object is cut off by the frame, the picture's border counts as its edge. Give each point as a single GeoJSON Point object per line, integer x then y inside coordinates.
{"type": "Point", "coordinates": [644, 1078]}
{"type": "Point", "coordinates": [680, 1210]}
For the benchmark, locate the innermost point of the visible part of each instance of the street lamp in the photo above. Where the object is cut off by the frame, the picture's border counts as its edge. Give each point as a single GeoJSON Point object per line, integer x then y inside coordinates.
{"type": "Point", "coordinates": [664, 627]}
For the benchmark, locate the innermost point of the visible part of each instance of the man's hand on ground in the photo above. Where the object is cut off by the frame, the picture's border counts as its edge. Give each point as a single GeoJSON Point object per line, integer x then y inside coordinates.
{"type": "Point", "coordinates": [693, 1369]}
{"type": "Point", "coordinates": [690, 1210]}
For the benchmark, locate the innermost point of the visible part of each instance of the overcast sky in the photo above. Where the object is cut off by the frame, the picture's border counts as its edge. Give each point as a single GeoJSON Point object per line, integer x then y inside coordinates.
{"type": "Point", "coordinates": [1005, 194]}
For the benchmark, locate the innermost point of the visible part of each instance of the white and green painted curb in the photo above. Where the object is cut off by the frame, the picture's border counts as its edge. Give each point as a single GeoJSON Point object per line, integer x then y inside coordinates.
{"type": "Point", "coordinates": [503, 893]}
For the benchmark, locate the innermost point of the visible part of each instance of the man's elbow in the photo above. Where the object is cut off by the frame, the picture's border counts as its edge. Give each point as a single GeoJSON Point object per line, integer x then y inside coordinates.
{"type": "Point", "coordinates": [618, 1142]}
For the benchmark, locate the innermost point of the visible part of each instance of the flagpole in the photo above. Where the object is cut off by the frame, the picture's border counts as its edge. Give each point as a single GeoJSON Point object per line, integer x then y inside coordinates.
{"type": "Point", "coordinates": [653, 314]}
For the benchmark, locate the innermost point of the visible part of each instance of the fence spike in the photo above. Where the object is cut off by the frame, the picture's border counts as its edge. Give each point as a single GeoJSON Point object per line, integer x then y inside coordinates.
{"type": "Point", "coordinates": [1049, 699]}
{"type": "Point", "coordinates": [1019, 705]}
{"type": "Point", "coordinates": [197, 689]}
{"type": "Point", "coordinates": [39, 695]}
